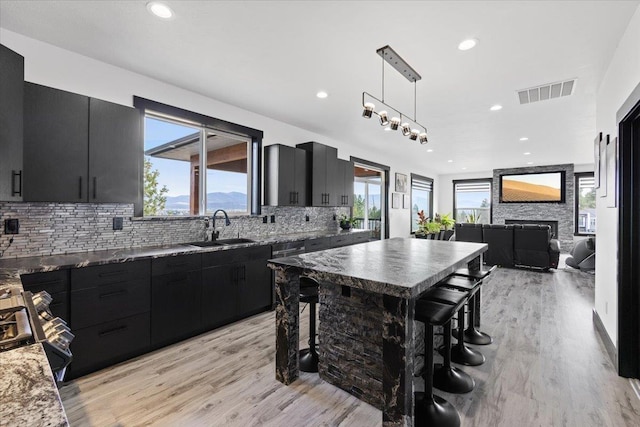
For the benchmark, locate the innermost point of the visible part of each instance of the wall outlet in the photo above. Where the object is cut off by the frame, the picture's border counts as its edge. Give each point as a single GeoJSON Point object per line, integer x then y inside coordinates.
{"type": "Point", "coordinates": [306, 218]}
{"type": "Point", "coordinates": [334, 217]}
{"type": "Point", "coordinates": [117, 223]}
{"type": "Point", "coordinates": [265, 219]}
{"type": "Point", "coordinates": [273, 219]}
{"type": "Point", "coordinates": [11, 226]}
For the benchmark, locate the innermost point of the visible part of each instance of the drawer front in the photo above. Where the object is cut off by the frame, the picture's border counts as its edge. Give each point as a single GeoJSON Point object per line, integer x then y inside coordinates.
{"type": "Point", "coordinates": [110, 274]}
{"type": "Point", "coordinates": [343, 240]}
{"type": "Point", "coordinates": [110, 302]}
{"type": "Point", "coordinates": [176, 264]}
{"type": "Point", "coordinates": [232, 256]}
{"type": "Point", "coordinates": [312, 245]}
{"type": "Point", "coordinates": [360, 238]}
{"type": "Point", "coordinates": [59, 306]}
{"type": "Point", "coordinates": [98, 346]}
{"type": "Point", "coordinates": [51, 281]}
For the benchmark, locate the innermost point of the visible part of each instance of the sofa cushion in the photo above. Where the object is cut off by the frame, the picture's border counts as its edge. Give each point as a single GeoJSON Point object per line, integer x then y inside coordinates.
{"type": "Point", "coordinates": [531, 245]}
{"type": "Point", "coordinates": [469, 232]}
{"type": "Point", "coordinates": [499, 237]}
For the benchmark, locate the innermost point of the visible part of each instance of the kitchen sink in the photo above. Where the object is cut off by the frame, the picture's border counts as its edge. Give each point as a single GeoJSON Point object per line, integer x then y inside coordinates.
{"type": "Point", "coordinates": [221, 242]}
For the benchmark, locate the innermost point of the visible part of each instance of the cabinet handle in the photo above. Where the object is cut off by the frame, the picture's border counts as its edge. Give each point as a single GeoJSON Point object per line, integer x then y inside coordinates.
{"type": "Point", "coordinates": [47, 283]}
{"type": "Point", "coordinates": [292, 197]}
{"type": "Point", "coordinates": [112, 294]}
{"type": "Point", "coordinates": [15, 175]}
{"type": "Point", "coordinates": [95, 187]}
{"type": "Point", "coordinates": [297, 201]}
{"type": "Point", "coordinates": [112, 331]}
{"type": "Point", "coordinates": [243, 272]}
{"type": "Point", "coordinates": [80, 187]}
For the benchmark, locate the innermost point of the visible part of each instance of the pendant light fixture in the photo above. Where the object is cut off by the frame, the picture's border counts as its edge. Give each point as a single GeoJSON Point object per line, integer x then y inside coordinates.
{"type": "Point", "coordinates": [408, 125]}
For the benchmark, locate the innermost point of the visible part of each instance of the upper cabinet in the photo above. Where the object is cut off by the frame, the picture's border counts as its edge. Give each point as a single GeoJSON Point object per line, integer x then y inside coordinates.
{"type": "Point", "coordinates": [11, 124]}
{"type": "Point", "coordinates": [285, 171]}
{"type": "Point", "coordinates": [80, 149]}
{"type": "Point", "coordinates": [344, 186]}
{"type": "Point", "coordinates": [322, 166]}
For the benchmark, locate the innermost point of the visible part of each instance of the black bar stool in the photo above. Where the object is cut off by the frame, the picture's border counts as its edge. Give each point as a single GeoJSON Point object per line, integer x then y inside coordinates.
{"type": "Point", "coordinates": [445, 376]}
{"type": "Point", "coordinates": [430, 409]}
{"type": "Point", "coordinates": [309, 294]}
{"type": "Point", "coordinates": [472, 335]}
{"type": "Point", "coordinates": [460, 353]}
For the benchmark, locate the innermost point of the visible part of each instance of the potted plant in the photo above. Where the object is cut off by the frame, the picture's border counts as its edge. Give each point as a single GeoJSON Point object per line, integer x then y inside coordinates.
{"type": "Point", "coordinates": [433, 229]}
{"type": "Point", "coordinates": [346, 222]}
{"type": "Point", "coordinates": [473, 217]}
{"type": "Point", "coordinates": [422, 221]}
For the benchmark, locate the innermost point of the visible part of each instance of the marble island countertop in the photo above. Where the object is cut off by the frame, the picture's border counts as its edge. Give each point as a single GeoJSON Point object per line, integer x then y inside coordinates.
{"type": "Point", "coordinates": [28, 394]}
{"type": "Point", "coordinates": [399, 267]}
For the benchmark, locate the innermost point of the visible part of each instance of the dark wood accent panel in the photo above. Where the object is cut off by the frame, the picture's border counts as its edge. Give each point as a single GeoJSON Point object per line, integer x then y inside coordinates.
{"type": "Point", "coordinates": [56, 125]}
{"type": "Point", "coordinates": [115, 153]}
{"type": "Point", "coordinates": [11, 123]}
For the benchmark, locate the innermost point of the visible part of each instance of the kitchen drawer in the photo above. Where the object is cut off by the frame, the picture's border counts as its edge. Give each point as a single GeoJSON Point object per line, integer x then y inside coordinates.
{"type": "Point", "coordinates": [311, 245]}
{"type": "Point", "coordinates": [50, 281]}
{"type": "Point", "coordinates": [109, 274]}
{"type": "Point", "coordinates": [341, 240]}
{"type": "Point", "coordinates": [59, 306]}
{"type": "Point", "coordinates": [232, 256]}
{"type": "Point", "coordinates": [176, 264]}
{"type": "Point", "coordinates": [110, 302]}
{"type": "Point", "coordinates": [360, 238]}
{"type": "Point", "coordinates": [102, 345]}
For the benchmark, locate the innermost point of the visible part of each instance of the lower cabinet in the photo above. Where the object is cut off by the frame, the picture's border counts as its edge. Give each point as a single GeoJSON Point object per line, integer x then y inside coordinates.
{"type": "Point", "coordinates": [56, 283]}
{"type": "Point", "coordinates": [235, 283]}
{"type": "Point", "coordinates": [175, 307]}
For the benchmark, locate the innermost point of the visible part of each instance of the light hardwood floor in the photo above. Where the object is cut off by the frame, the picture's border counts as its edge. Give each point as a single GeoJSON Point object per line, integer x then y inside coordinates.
{"type": "Point", "coordinates": [547, 367]}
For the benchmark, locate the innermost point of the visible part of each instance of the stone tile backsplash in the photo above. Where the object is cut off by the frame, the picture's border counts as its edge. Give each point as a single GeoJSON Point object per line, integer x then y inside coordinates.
{"type": "Point", "coordinates": [60, 228]}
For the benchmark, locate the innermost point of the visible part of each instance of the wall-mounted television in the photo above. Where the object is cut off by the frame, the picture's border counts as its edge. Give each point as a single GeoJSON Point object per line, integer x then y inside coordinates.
{"type": "Point", "coordinates": [536, 187]}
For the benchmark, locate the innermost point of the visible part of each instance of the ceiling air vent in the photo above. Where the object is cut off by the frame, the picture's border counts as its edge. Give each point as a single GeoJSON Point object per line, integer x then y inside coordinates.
{"type": "Point", "coordinates": [546, 92]}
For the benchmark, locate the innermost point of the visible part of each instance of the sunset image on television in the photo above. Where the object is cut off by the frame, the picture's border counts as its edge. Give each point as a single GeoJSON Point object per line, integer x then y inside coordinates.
{"type": "Point", "coordinates": [532, 188]}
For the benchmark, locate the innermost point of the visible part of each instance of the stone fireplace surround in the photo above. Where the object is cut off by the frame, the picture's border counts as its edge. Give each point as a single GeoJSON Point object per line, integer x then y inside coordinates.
{"type": "Point", "coordinates": [563, 213]}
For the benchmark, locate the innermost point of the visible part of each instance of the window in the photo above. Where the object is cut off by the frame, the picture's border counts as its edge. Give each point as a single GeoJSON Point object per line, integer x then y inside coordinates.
{"type": "Point", "coordinates": [472, 200]}
{"type": "Point", "coordinates": [421, 198]}
{"type": "Point", "coordinates": [585, 210]}
{"type": "Point", "coordinates": [179, 144]}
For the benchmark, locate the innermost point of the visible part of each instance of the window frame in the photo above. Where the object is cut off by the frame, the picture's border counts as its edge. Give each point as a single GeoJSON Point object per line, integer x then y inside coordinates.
{"type": "Point", "coordinates": [471, 181]}
{"type": "Point", "coordinates": [576, 201]}
{"type": "Point", "coordinates": [254, 170]}
{"type": "Point", "coordinates": [430, 213]}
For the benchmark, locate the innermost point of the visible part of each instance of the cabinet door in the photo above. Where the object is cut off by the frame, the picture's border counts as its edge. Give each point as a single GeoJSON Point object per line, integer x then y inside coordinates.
{"type": "Point", "coordinates": [319, 175]}
{"type": "Point", "coordinates": [300, 177]}
{"type": "Point", "coordinates": [175, 306]}
{"type": "Point", "coordinates": [335, 172]}
{"type": "Point", "coordinates": [56, 129]}
{"type": "Point", "coordinates": [349, 175]}
{"type": "Point", "coordinates": [115, 153]}
{"type": "Point", "coordinates": [219, 295]}
{"type": "Point", "coordinates": [11, 124]}
{"type": "Point", "coordinates": [254, 285]}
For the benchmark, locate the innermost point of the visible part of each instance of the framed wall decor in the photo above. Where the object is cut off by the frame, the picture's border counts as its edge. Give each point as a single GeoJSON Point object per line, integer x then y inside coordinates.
{"type": "Point", "coordinates": [603, 166]}
{"type": "Point", "coordinates": [401, 182]}
{"type": "Point", "coordinates": [396, 200]}
{"type": "Point", "coordinates": [596, 161]}
{"type": "Point", "coordinates": [406, 201]}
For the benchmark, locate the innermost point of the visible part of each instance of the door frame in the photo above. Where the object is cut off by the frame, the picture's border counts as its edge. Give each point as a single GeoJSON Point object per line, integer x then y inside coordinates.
{"type": "Point", "coordinates": [628, 340]}
{"type": "Point", "coordinates": [385, 189]}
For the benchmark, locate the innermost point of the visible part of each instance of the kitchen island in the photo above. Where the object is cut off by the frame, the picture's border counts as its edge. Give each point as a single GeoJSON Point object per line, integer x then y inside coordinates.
{"type": "Point", "coordinates": [367, 298]}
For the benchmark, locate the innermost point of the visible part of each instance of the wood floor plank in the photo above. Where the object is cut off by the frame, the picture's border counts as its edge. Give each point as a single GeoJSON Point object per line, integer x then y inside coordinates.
{"type": "Point", "coordinates": [547, 367]}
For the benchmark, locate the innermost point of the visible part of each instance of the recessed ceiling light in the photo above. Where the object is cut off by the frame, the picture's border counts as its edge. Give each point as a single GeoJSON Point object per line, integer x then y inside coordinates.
{"type": "Point", "coordinates": [527, 153]}
{"type": "Point", "coordinates": [449, 161]}
{"type": "Point", "coordinates": [430, 150]}
{"type": "Point", "coordinates": [468, 44]}
{"type": "Point", "coordinates": [322, 94]}
{"type": "Point", "coordinates": [529, 163]}
{"type": "Point", "coordinates": [496, 107]}
{"type": "Point", "coordinates": [524, 138]}
{"type": "Point", "coordinates": [160, 9]}
{"type": "Point", "coordinates": [464, 169]}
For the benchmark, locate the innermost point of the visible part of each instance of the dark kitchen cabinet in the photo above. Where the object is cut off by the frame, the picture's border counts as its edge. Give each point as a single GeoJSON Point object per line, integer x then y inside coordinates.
{"type": "Point", "coordinates": [322, 169]}
{"type": "Point", "coordinates": [56, 127]}
{"type": "Point", "coordinates": [344, 182]}
{"type": "Point", "coordinates": [110, 314]}
{"type": "Point", "coordinates": [56, 284]}
{"type": "Point", "coordinates": [285, 172]}
{"type": "Point", "coordinates": [11, 124]}
{"type": "Point", "coordinates": [176, 297]}
{"type": "Point", "coordinates": [236, 283]}
{"type": "Point", "coordinates": [80, 149]}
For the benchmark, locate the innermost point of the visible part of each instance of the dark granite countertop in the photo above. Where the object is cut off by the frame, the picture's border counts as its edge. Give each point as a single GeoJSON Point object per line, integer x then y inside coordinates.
{"type": "Point", "coordinates": [27, 390]}
{"type": "Point", "coordinates": [399, 267]}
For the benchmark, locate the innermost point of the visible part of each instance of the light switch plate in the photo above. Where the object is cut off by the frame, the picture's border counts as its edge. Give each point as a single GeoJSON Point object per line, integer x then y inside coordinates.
{"type": "Point", "coordinates": [11, 226]}
{"type": "Point", "coordinates": [117, 223]}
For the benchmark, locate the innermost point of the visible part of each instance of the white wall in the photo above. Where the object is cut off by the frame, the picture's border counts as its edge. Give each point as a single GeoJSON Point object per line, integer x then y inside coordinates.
{"type": "Point", "coordinates": [621, 77]}
{"type": "Point", "coordinates": [51, 66]}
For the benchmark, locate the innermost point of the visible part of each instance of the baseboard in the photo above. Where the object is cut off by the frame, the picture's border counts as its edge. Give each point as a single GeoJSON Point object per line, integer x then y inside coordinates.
{"type": "Point", "coordinates": [606, 340]}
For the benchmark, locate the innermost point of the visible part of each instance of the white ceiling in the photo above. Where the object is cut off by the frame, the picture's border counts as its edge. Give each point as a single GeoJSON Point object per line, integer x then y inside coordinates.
{"type": "Point", "coordinates": [271, 57]}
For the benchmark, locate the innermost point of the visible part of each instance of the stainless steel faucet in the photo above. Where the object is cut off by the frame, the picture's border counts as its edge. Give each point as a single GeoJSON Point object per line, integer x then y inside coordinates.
{"type": "Point", "coordinates": [227, 222]}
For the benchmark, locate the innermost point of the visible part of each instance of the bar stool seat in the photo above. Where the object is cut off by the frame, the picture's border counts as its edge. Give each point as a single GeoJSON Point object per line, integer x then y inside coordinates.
{"type": "Point", "coordinates": [309, 294]}
{"type": "Point", "coordinates": [472, 335]}
{"type": "Point", "coordinates": [460, 353]}
{"type": "Point", "coordinates": [431, 409]}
